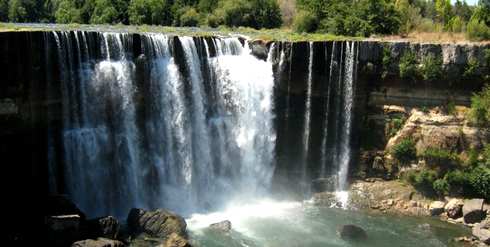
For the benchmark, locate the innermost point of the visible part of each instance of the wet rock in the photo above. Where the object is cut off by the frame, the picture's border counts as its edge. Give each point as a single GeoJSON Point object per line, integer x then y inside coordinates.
{"type": "Point", "coordinates": [454, 208]}
{"type": "Point", "coordinates": [259, 49]}
{"type": "Point", "coordinates": [175, 240]}
{"type": "Point", "coordinates": [473, 211]}
{"type": "Point", "coordinates": [61, 205]}
{"type": "Point", "coordinates": [63, 229]}
{"type": "Point", "coordinates": [482, 231]}
{"type": "Point", "coordinates": [352, 232]}
{"type": "Point", "coordinates": [159, 223]}
{"type": "Point", "coordinates": [324, 184]}
{"type": "Point", "coordinates": [100, 242]}
{"type": "Point", "coordinates": [224, 226]}
{"type": "Point", "coordinates": [436, 208]}
{"type": "Point", "coordinates": [106, 227]}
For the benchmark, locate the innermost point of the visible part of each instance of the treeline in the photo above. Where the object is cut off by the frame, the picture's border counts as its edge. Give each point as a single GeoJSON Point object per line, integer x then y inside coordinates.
{"type": "Point", "coordinates": [341, 17]}
{"type": "Point", "coordinates": [250, 13]}
{"type": "Point", "coordinates": [366, 17]}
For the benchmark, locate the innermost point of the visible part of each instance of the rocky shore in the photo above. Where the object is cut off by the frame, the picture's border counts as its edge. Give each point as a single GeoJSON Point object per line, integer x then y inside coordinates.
{"type": "Point", "coordinates": [66, 225]}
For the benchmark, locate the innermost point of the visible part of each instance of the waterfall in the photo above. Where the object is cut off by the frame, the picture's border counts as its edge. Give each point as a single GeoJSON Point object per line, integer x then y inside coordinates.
{"type": "Point", "coordinates": [186, 125]}
{"type": "Point", "coordinates": [307, 115]}
{"type": "Point", "coordinates": [348, 99]}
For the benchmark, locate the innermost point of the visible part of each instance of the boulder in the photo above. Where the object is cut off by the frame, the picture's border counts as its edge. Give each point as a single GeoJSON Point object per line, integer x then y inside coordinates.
{"type": "Point", "coordinates": [259, 49]}
{"type": "Point", "coordinates": [100, 242]}
{"type": "Point", "coordinates": [352, 232]}
{"type": "Point", "coordinates": [158, 224]}
{"type": "Point", "coordinates": [454, 208]}
{"type": "Point", "coordinates": [63, 229]}
{"type": "Point", "coordinates": [482, 231]}
{"type": "Point", "coordinates": [105, 227]}
{"type": "Point", "coordinates": [473, 211]}
{"type": "Point", "coordinates": [61, 205]}
{"type": "Point", "coordinates": [224, 226]}
{"type": "Point", "coordinates": [436, 208]}
{"type": "Point", "coordinates": [175, 240]}
{"type": "Point", "coordinates": [324, 184]}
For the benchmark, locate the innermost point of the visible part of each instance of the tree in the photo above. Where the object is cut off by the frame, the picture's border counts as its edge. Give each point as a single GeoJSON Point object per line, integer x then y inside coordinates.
{"type": "Point", "coordinates": [67, 12]}
{"type": "Point", "coordinates": [463, 10]}
{"type": "Point", "coordinates": [109, 12]}
{"type": "Point", "coordinates": [155, 12]}
{"type": "Point", "coordinates": [381, 16]}
{"type": "Point", "coordinates": [444, 11]}
{"type": "Point", "coordinates": [4, 10]}
{"type": "Point", "coordinates": [409, 15]}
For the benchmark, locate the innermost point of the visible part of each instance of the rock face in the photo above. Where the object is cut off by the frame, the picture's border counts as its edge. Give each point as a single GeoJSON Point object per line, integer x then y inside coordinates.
{"type": "Point", "coordinates": [482, 231]}
{"type": "Point", "coordinates": [436, 208]}
{"type": "Point", "coordinates": [437, 130]}
{"type": "Point", "coordinates": [159, 223]}
{"type": "Point", "coordinates": [61, 205]}
{"type": "Point", "coordinates": [224, 226]}
{"type": "Point", "coordinates": [324, 184]}
{"type": "Point", "coordinates": [259, 49]}
{"type": "Point", "coordinates": [175, 240]}
{"type": "Point", "coordinates": [100, 242]}
{"type": "Point", "coordinates": [63, 229]}
{"type": "Point", "coordinates": [454, 208]}
{"type": "Point", "coordinates": [352, 232]}
{"type": "Point", "coordinates": [106, 227]}
{"type": "Point", "coordinates": [473, 211]}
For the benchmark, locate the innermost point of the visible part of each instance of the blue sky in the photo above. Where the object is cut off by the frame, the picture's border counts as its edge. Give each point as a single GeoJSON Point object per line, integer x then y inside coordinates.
{"type": "Point", "coordinates": [471, 2]}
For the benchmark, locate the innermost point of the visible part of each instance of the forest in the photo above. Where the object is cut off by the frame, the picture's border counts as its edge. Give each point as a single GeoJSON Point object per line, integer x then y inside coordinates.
{"type": "Point", "coordinates": [361, 18]}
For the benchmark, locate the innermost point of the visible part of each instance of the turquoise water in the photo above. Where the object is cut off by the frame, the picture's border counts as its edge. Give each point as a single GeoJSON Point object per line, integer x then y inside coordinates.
{"type": "Point", "coordinates": [290, 224]}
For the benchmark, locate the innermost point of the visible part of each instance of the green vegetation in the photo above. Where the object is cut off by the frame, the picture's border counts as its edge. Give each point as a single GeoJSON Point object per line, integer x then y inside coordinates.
{"type": "Point", "coordinates": [395, 125]}
{"type": "Point", "coordinates": [336, 17]}
{"type": "Point", "coordinates": [471, 69]}
{"type": "Point", "coordinates": [404, 151]}
{"type": "Point", "coordinates": [440, 158]}
{"type": "Point", "coordinates": [431, 68]}
{"type": "Point", "coordinates": [480, 103]}
{"type": "Point", "coordinates": [408, 66]}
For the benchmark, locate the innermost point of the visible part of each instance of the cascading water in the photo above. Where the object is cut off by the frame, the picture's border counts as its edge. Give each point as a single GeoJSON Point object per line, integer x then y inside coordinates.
{"type": "Point", "coordinates": [307, 116]}
{"type": "Point", "coordinates": [186, 126]}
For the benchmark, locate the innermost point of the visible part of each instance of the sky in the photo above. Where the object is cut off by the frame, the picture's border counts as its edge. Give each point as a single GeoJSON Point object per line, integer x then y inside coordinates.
{"type": "Point", "coordinates": [470, 2]}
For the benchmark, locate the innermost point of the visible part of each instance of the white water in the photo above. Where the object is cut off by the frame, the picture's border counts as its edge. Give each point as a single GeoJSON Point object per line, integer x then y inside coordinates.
{"type": "Point", "coordinates": [190, 136]}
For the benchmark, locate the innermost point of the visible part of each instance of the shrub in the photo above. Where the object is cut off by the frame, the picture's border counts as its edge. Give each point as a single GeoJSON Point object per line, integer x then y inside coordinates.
{"type": "Point", "coordinates": [486, 155]}
{"type": "Point", "coordinates": [424, 181]}
{"type": "Point", "coordinates": [472, 160]}
{"type": "Point", "coordinates": [477, 30]}
{"type": "Point", "coordinates": [471, 68]}
{"type": "Point", "coordinates": [251, 13]}
{"type": "Point", "coordinates": [431, 68]}
{"type": "Point", "coordinates": [456, 24]}
{"type": "Point", "coordinates": [408, 66]}
{"type": "Point", "coordinates": [451, 108]}
{"type": "Point", "coordinates": [395, 125]}
{"type": "Point", "coordinates": [386, 61]}
{"type": "Point", "coordinates": [480, 103]}
{"type": "Point", "coordinates": [214, 21]}
{"type": "Point", "coordinates": [480, 181]}
{"type": "Point", "coordinates": [190, 18]}
{"type": "Point", "coordinates": [440, 157]}
{"type": "Point", "coordinates": [404, 151]}
{"type": "Point", "coordinates": [305, 22]}
{"type": "Point", "coordinates": [441, 187]}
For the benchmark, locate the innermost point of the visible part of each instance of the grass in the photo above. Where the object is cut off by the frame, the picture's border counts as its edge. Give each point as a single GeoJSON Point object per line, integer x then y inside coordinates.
{"type": "Point", "coordinates": [437, 37]}
{"type": "Point", "coordinates": [264, 34]}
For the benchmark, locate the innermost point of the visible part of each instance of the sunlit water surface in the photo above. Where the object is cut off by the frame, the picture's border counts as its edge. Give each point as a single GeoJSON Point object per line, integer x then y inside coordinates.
{"type": "Point", "coordinates": [287, 224]}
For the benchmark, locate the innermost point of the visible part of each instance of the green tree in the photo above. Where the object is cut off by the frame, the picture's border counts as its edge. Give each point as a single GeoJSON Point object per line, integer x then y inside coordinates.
{"type": "Point", "coordinates": [409, 15]}
{"type": "Point", "coordinates": [444, 10]}
{"type": "Point", "coordinates": [155, 12]}
{"type": "Point", "coordinates": [463, 10]}
{"type": "Point", "coordinates": [109, 12]}
{"type": "Point", "coordinates": [22, 11]}
{"type": "Point", "coordinates": [4, 10]}
{"type": "Point", "coordinates": [67, 12]}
